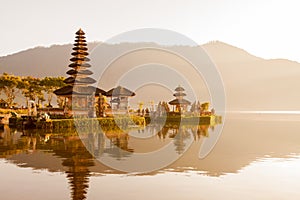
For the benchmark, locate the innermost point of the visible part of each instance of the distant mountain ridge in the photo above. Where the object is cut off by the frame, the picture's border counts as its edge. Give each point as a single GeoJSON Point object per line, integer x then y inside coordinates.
{"type": "Point", "coordinates": [251, 82]}
{"type": "Point", "coordinates": [229, 53]}
{"type": "Point", "coordinates": [41, 61]}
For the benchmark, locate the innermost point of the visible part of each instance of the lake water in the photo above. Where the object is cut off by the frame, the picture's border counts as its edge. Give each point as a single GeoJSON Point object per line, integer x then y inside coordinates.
{"type": "Point", "coordinates": [256, 157]}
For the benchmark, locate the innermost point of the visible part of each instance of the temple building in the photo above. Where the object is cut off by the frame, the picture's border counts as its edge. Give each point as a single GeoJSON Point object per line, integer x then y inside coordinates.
{"type": "Point", "coordinates": [79, 96]}
{"type": "Point", "coordinates": [179, 103]}
{"type": "Point", "coordinates": [119, 98]}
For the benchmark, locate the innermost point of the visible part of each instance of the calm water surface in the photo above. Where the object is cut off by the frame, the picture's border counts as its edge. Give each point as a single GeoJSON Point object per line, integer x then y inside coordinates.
{"type": "Point", "coordinates": [257, 157]}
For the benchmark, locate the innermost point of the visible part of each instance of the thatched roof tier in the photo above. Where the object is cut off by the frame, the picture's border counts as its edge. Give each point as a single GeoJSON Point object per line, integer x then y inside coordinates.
{"type": "Point", "coordinates": [179, 89]}
{"type": "Point", "coordinates": [120, 91]}
{"type": "Point", "coordinates": [179, 102]}
{"type": "Point", "coordinates": [80, 32]}
{"type": "Point", "coordinates": [74, 65]}
{"type": "Point", "coordinates": [79, 48]}
{"type": "Point", "coordinates": [77, 58]}
{"type": "Point", "coordinates": [80, 40]}
{"type": "Point", "coordinates": [79, 53]}
{"type": "Point", "coordinates": [79, 44]}
{"type": "Point", "coordinates": [84, 80]}
{"type": "Point", "coordinates": [80, 37]}
{"type": "Point", "coordinates": [78, 90]}
{"type": "Point", "coordinates": [179, 94]}
{"type": "Point", "coordinates": [80, 72]}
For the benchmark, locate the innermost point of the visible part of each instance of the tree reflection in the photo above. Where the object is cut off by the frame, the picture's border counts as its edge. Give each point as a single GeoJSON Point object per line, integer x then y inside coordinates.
{"type": "Point", "coordinates": [75, 157]}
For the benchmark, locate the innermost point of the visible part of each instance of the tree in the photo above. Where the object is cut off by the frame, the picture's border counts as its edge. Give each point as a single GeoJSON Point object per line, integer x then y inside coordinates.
{"type": "Point", "coordinates": [205, 106]}
{"type": "Point", "coordinates": [32, 89]}
{"type": "Point", "coordinates": [166, 107]}
{"type": "Point", "coordinates": [9, 84]}
{"type": "Point", "coordinates": [50, 84]}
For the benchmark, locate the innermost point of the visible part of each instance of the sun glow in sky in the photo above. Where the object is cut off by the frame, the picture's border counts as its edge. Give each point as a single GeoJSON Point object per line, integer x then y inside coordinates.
{"type": "Point", "coordinates": [268, 29]}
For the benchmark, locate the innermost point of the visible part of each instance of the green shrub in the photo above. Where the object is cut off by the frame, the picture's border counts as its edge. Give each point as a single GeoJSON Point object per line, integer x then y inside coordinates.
{"type": "Point", "coordinates": [105, 123]}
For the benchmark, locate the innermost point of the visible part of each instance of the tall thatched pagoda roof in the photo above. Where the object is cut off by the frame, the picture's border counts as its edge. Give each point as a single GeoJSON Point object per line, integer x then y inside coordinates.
{"type": "Point", "coordinates": [79, 82]}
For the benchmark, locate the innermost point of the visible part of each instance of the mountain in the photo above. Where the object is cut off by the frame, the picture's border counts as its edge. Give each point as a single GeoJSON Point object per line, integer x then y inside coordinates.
{"type": "Point", "coordinates": [251, 83]}
{"type": "Point", "coordinates": [39, 61]}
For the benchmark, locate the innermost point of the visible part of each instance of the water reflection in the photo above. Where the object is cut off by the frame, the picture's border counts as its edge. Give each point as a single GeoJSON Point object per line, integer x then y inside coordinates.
{"type": "Point", "coordinates": [65, 151]}
{"type": "Point", "coordinates": [78, 161]}
{"type": "Point", "coordinates": [242, 142]}
{"type": "Point", "coordinates": [27, 149]}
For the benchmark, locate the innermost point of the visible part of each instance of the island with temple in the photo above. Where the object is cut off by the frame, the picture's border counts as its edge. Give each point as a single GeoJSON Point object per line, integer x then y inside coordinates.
{"type": "Point", "coordinates": [79, 98]}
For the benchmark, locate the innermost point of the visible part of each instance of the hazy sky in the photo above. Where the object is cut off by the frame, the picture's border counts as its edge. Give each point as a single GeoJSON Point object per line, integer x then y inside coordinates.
{"type": "Point", "coordinates": [269, 29]}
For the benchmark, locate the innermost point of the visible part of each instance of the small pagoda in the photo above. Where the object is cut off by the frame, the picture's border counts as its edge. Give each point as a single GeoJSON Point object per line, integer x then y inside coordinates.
{"type": "Point", "coordinates": [119, 98]}
{"type": "Point", "coordinates": [179, 103]}
{"type": "Point", "coordinates": [79, 95]}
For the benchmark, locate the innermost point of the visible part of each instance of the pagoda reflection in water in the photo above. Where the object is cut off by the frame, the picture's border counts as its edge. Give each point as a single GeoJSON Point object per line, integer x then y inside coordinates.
{"type": "Point", "coordinates": [66, 152]}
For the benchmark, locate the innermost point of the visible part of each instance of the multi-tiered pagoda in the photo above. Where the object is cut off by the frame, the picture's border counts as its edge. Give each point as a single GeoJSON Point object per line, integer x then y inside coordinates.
{"type": "Point", "coordinates": [79, 94]}
{"type": "Point", "coordinates": [179, 103]}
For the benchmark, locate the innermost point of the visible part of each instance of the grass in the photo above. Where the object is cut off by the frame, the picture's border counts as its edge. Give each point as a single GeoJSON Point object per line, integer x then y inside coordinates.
{"type": "Point", "coordinates": [5, 111]}
{"type": "Point", "coordinates": [95, 123]}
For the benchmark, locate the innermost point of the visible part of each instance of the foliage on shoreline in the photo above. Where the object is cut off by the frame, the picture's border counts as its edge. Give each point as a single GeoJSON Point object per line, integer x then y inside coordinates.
{"type": "Point", "coordinates": [31, 88]}
{"type": "Point", "coordinates": [8, 111]}
{"type": "Point", "coordinates": [105, 123]}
